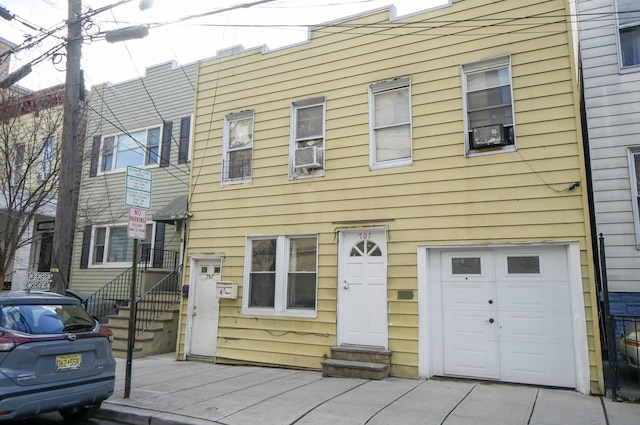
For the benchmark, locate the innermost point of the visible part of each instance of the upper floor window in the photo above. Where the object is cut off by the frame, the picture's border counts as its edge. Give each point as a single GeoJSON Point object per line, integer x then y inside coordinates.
{"type": "Point", "coordinates": [46, 167]}
{"type": "Point", "coordinates": [488, 106]}
{"type": "Point", "coordinates": [390, 139]}
{"type": "Point", "coordinates": [628, 14]}
{"type": "Point", "coordinates": [237, 147]}
{"type": "Point", "coordinates": [307, 137]}
{"type": "Point", "coordinates": [281, 276]}
{"type": "Point", "coordinates": [634, 166]}
{"type": "Point", "coordinates": [131, 149]}
{"type": "Point", "coordinates": [18, 164]}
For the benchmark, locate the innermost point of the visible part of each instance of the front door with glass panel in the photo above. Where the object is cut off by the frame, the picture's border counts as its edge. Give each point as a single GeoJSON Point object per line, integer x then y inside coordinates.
{"type": "Point", "coordinates": [362, 288]}
{"type": "Point", "coordinates": [204, 309]}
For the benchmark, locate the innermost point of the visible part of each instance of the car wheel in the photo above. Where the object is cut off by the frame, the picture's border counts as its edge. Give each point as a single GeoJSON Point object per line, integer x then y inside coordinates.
{"type": "Point", "coordinates": [80, 413]}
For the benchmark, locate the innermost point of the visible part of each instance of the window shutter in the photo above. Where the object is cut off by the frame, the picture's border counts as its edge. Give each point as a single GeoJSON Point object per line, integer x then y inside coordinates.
{"type": "Point", "coordinates": [95, 156]}
{"type": "Point", "coordinates": [158, 246]}
{"type": "Point", "coordinates": [185, 132]}
{"type": "Point", "coordinates": [86, 244]}
{"type": "Point", "coordinates": [166, 143]}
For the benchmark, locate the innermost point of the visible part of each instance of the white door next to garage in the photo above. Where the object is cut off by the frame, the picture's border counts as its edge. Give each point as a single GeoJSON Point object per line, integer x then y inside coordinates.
{"type": "Point", "coordinates": [505, 314]}
{"type": "Point", "coordinates": [362, 288]}
{"type": "Point", "coordinates": [204, 308]}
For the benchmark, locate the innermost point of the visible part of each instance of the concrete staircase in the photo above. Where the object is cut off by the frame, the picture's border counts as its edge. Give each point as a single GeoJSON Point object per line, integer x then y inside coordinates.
{"type": "Point", "coordinates": [352, 361]}
{"type": "Point", "coordinates": [160, 337]}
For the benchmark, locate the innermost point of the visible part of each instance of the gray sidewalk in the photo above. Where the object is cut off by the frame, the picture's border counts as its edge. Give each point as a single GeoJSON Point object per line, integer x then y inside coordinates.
{"type": "Point", "coordinates": [165, 391]}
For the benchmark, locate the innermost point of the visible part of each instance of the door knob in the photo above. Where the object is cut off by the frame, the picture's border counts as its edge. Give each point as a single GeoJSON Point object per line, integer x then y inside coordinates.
{"type": "Point", "coordinates": [490, 320]}
{"type": "Point", "coordinates": [346, 285]}
{"type": "Point", "coordinates": [490, 301]}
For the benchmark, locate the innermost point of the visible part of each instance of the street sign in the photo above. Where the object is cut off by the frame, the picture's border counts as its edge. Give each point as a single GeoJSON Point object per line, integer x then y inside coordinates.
{"type": "Point", "coordinates": [138, 188]}
{"type": "Point", "coordinates": [137, 228]}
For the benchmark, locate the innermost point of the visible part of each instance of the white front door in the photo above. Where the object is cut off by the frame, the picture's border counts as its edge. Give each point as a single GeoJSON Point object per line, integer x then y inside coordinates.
{"type": "Point", "coordinates": [204, 308]}
{"type": "Point", "coordinates": [362, 288]}
{"type": "Point", "coordinates": [506, 315]}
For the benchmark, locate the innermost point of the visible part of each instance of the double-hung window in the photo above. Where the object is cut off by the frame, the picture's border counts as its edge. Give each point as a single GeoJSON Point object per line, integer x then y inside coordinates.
{"type": "Point", "coordinates": [634, 168]}
{"type": "Point", "coordinates": [307, 137]}
{"type": "Point", "coordinates": [138, 148]}
{"type": "Point", "coordinates": [111, 246]}
{"type": "Point", "coordinates": [390, 138]}
{"type": "Point", "coordinates": [17, 173]}
{"type": "Point", "coordinates": [237, 147]}
{"type": "Point", "coordinates": [488, 106]}
{"type": "Point", "coordinates": [281, 275]}
{"type": "Point", "coordinates": [46, 165]}
{"type": "Point", "coordinates": [628, 18]}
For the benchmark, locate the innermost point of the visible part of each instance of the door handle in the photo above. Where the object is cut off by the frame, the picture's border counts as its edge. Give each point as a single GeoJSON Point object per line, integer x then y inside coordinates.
{"type": "Point", "coordinates": [346, 285]}
{"type": "Point", "coordinates": [195, 311]}
{"type": "Point", "coordinates": [490, 320]}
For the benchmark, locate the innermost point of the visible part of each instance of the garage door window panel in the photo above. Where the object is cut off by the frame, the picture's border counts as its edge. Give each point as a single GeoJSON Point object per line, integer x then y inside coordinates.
{"type": "Point", "coordinates": [466, 265]}
{"type": "Point", "coordinates": [529, 264]}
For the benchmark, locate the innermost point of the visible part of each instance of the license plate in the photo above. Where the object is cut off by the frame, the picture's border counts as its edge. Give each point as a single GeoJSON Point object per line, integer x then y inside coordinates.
{"type": "Point", "coordinates": [69, 362]}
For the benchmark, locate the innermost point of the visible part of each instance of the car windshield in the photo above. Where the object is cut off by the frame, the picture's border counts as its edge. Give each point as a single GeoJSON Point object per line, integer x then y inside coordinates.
{"type": "Point", "coordinates": [45, 319]}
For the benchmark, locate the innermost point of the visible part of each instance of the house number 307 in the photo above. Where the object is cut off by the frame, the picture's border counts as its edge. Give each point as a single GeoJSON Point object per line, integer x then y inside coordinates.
{"type": "Point", "coordinates": [365, 236]}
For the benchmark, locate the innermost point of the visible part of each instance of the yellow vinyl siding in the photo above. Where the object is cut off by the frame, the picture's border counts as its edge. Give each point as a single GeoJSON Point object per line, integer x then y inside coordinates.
{"type": "Point", "coordinates": [442, 198]}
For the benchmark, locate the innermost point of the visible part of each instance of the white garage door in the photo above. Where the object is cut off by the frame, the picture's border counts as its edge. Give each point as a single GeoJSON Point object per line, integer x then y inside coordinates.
{"type": "Point", "coordinates": [506, 315]}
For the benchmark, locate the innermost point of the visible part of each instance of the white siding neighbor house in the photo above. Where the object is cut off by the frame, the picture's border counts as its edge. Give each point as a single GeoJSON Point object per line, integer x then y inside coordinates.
{"type": "Point", "coordinates": [610, 46]}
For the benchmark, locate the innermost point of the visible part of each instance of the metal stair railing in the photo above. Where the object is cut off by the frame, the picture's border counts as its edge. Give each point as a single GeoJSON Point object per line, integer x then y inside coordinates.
{"type": "Point", "coordinates": [157, 300]}
{"type": "Point", "coordinates": [115, 294]}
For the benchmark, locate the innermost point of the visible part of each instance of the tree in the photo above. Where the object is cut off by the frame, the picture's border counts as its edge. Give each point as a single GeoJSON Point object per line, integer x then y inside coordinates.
{"type": "Point", "coordinates": [30, 129]}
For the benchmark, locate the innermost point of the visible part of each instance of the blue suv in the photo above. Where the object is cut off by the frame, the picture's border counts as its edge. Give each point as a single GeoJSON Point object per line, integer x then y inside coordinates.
{"type": "Point", "coordinates": [53, 356]}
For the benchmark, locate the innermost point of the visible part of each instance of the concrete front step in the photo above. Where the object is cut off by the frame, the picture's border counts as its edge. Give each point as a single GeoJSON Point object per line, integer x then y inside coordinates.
{"type": "Point", "coordinates": [361, 353]}
{"type": "Point", "coordinates": [160, 337]}
{"type": "Point", "coordinates": [354, 369]}
{"type": "Point", "coordinates": [351, 361]}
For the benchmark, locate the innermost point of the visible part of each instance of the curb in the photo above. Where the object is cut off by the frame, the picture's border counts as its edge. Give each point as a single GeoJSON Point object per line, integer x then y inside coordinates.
{"type": "Point", "coordinates": [137, 416]}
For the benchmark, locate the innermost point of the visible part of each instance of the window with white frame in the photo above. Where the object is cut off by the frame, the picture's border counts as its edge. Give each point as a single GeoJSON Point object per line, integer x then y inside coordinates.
{"type": "Point", "coordinates": [281, 275]}
{"type": "Point", "coordinates": [488, 106]}
{"type": "Point", "coordinates": [307, 137]}
{"type": "Point", "coordinates": [46, 165]}
{"type": "Point", "coordinates": [18, 163]}
{"type": "Point", "coordinates": [237, 147]}
{"type": "Point", "coordinates": [634, 167]}
{"type": "Point", "coordinates": [390, 138]}
{"type": "Point", "coordinates": [138, 148]}
{"type": "Point", "coordinates": [111, 245]}
{"type": "Point", "coordinates": [628, 18]}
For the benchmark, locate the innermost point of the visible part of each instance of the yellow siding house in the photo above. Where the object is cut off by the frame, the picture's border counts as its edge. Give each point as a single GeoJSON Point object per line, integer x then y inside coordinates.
{"type": "Point", "coordinates": [411, 185]}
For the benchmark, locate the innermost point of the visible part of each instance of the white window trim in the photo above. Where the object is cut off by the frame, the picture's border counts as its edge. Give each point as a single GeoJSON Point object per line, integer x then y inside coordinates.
{"type": "Point", "coordinates": [485, 65]}
{"type": "Point", "coordinates": [282, 270]}
{"type": "Point", "coordinates": [116, 264]}
{"type": "Point", "coordinates": [235, 116]}
{"type": "Point", "coordinates": [623, 69]}
{"type": "Point", "coordinates": [295, 106]}
{"type": "Point", "coordinates": [115, 150]}
{"type": "Point", "coordinates": [634, 193]}
{"type": "Point", "coordinates": [43, 175]}
{"type": "Point", "coordinates": [374, 89]}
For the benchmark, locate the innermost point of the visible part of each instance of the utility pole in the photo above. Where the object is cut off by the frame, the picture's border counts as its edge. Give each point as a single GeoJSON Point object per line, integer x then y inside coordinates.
{"type": "Point", "coordinates": [67, 191]}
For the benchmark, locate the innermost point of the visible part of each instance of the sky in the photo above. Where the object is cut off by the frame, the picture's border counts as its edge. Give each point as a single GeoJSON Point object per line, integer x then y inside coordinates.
{"type": "Point", "coordinates": [274, 23]}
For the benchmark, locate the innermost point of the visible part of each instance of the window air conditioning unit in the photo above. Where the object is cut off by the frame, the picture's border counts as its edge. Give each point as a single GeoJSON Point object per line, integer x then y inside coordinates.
{"type": "Point", "coordinates": [309, 157]}
{"type": "Point", "coordinates": [488, 136]}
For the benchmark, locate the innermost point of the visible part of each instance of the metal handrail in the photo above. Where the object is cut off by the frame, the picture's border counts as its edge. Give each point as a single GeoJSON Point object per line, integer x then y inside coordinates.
{"type": "Point", "coordinates": [158, 258]}
{"type": "Point", "coordinates": [160, 298]}
{"type": "Point", "coordinates": [115, 294]}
